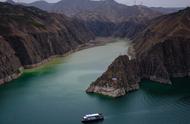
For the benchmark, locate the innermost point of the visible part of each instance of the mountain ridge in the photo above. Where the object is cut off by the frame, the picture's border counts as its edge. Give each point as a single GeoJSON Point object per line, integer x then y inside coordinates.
{"type": "Point", "coordinates": [104, 18]}
{"type": "Point", "coordinates": [32, 36]}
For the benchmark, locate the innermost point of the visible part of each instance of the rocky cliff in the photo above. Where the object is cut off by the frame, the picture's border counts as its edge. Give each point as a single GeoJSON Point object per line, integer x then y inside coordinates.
{"type": "Point", "coordinates": [159, 53]}
{"type": "Point", "coordinates": [120, 78]}
{"type": "Point", "coordinates": [10, 66]}
{"type": "Point", "coordinates": [29, 36]}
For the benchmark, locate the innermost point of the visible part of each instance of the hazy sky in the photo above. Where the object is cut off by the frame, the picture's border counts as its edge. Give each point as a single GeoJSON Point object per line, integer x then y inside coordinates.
{"type": "Point", "coordinates": [162, 3]}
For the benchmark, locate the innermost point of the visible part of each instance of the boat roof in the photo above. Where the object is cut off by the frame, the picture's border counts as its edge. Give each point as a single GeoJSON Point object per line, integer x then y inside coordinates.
{"type": "Point", "coordinates": [91, 115]}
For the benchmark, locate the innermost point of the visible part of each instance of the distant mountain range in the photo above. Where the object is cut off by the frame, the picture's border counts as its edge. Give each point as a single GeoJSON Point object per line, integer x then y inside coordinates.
{"type": "Point", "coordinates": [109, 8]}
{"type": "Point", "coordinates": [105, 9]}
{"type": "Point", "coordinates": [103, 18]}
{"type": "Point", "coordinates": [167, 10]}
{"type": "Point", "coordinates": [73, 7]}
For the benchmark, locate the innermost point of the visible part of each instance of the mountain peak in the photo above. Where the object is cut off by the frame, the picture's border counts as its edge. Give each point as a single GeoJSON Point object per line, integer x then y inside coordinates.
{"type": "Point", "coordinates": [187, 9]}
{"type": "Point", "coordinates": [185, 12]}
{"type": "Point", "coordinates": [43, 1]}
{"type": "Point", "coordinates": [10, 1]}
{"type": "Point", "coordinates": [110, 1]}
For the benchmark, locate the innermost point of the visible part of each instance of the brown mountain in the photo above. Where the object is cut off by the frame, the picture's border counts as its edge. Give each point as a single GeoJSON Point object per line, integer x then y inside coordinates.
{"type": "Point", "coordinates": [167, 10]}
{"type": "Point", "coordinates": [105, 9]}
{"type": "Point", "coordinates": [29, 36]}
{"type": "Point", "coordinates": [104, 17]}
{"type": "Point", "coordinates": [159, 53]}
{"type": "Point", "coordinates": [41, 4]}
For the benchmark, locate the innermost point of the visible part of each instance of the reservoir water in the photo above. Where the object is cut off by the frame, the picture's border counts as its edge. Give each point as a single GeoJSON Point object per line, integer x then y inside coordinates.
{"type": "Point", "coordinates": [55, 94]}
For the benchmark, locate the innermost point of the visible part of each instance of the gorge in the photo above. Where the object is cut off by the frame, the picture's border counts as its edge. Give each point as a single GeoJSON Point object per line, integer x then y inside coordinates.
{"type": "Point", "coordinates": [159, 53]}
{"type": "Point", "coordinates": [149, 48]}
{"type": "Point", "coordinates": [34, 36]}
{"type": "Point", "coordinates": [31, 36]}
{"type": "Point", "coordinates": [55, 92]}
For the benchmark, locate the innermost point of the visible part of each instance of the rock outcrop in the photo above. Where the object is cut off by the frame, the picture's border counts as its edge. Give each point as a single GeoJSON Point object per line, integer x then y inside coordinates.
{"type": "Point", "coordinates": [29, 36]}
{"type": "Point", "coordinates": [120, 78]}
{"type": "Point", "coordinates": [10, 66]}
{"type": "Point", "coordinates": [159, 53]}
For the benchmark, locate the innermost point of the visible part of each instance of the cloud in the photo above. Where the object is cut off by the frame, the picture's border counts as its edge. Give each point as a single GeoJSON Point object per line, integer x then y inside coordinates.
{"type": "Point", "coordinates": [158, 3]}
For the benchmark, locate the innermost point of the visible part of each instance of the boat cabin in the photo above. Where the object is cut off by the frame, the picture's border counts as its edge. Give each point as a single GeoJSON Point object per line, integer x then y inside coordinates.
{"type": "Point", "coordinates": [92, 117]}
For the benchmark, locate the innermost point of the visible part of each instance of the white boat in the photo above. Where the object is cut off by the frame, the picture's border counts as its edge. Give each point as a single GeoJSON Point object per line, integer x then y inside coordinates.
{"type": "Point", "coordinates": [92, 117]}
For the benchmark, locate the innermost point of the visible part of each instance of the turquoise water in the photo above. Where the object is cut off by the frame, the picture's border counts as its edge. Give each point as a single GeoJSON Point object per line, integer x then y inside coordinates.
{"type": "Point", "coordinates": [55, 94]}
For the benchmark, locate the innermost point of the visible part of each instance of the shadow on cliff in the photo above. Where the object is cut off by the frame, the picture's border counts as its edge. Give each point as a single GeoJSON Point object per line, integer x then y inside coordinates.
{"type": "Point", "coordinates": [179, 86]}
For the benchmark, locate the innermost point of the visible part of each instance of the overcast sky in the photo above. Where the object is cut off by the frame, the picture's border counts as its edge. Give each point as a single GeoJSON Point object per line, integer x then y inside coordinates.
{"type": "Point", "coordinates": [157, 3]}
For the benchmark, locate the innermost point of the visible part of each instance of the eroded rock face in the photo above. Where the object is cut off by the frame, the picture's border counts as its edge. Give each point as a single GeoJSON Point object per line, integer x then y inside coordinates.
{"type": "Point", "coordinates": [172, 58]}
{"type": "Point", "coordinates": [161, 52]}
{"type": "Point", "coordinates": [129, 29]}
{"type": "Point", "coordinates": [10, 66]}
{"type": "Point", "coordinates": [162, 62]}
{"type": "Point", "coordinates": [29, 36]}
{"type": "Point", "coordinates": [120, 78]}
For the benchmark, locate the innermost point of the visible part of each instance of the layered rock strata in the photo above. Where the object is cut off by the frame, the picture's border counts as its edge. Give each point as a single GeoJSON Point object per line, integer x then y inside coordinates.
{"type": "Point", "coordinates": [30, 36]}
{"type": "Point", "coordinates": [159, 53]}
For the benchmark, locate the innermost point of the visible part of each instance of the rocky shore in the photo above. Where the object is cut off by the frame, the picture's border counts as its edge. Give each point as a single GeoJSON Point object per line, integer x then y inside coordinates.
{"type": "Point", "coordinates": [11, 77]}
{"type": "Point", "coordinates": [30, 37]}
{"type": "Point", "coordinates": [99, 41]}
{"type": "Point", "coordinates": [159, 53]}
{"type": "Point", "coordinates": [120, 78]}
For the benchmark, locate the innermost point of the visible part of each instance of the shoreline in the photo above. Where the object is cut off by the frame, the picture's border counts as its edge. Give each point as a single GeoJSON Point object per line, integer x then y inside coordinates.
{"type": "Point", "coordinates": [13, 76]}
{"type": "Point", "coordinates": [99, 41]}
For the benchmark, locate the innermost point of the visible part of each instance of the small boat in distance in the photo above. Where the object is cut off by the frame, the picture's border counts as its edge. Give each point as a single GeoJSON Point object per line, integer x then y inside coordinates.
{"type": "Point", "coordinates": [92, 118]}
